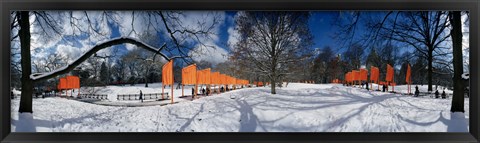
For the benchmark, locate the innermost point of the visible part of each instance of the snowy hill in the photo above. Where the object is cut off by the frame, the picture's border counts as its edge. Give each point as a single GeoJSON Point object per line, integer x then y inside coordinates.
{"type": "Point", "coordinates": [296, 108]}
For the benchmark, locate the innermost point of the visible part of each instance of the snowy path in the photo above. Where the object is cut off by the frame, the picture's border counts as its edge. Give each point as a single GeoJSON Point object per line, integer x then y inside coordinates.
{"type": "Point", "coordinates": [297, 108]}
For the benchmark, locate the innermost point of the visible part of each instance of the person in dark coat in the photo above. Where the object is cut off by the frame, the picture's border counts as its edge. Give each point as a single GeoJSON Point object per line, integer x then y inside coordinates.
{"type": "Point", "coordinates": [12, 96]}
{"type": "Point", "coordinates": [208, 91]}
{"type": "Point", "coordinates": [203, 91]}
{"type": "Point", "coordinates": [417, 92]}
{"type": "Point", "coordinates": [444, 95]}
{"type": "Point", "coordinates": [436, 94]}
{"type": "Point", "coordinates": [193, 93]}
{"type": "Point", "coordinates": [384, 88]}
{"type": "Point", "coordinates": [141, 95]}
{"type": "Point", "coordinates": [366, 83]}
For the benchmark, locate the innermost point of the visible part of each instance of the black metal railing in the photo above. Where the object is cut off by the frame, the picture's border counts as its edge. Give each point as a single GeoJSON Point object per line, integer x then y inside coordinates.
{"type": "Point", "coordinates": [146, 96]}
{"type": "Point", "coordinates": [95, 96]}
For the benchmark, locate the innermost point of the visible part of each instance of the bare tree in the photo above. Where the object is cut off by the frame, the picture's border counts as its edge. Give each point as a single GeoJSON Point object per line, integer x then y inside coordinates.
{"type": "Point", "coordinates": [272, 40]}
{"type": "Point", "coordinates": [458, 92]}
{"type": "Point", "coordinates": [422, 30]}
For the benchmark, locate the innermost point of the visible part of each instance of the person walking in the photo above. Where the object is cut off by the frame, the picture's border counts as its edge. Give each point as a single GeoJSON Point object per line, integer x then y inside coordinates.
{"type": "Point", "coordinates": [193, 93]}
{"type": "Point", "coordinates": [444, 95]}
{"type": "Point", "coordinates": [141, 96]}
{"type": "Point", "coordinates": [417, 92]}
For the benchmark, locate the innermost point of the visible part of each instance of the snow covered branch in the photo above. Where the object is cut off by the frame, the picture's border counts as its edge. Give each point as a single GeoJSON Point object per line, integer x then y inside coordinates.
{"type": "Point", "coordinates": [92, 51]}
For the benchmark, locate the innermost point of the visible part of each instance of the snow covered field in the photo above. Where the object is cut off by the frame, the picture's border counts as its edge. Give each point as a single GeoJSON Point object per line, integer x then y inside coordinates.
{"type": "Point", "coordinates": [296, 108]}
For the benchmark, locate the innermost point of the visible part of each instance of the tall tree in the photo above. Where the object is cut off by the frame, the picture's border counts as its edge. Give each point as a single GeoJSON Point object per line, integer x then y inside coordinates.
{"type": "Point", "coordinates": [353, 56]}
{"type": "Point", "coordinates": [272, 40]}
{"type": "Point", "coordinates": [424, 31]}
{"type": "Point", "coordinates": [373, 59]}
{"type": "Point", "coordinates": [421, 30]}
{"type": "Point", "coordinates": [27, 83]}
{"type": "Point", "coordinates": [321, 65]}
{"type": "Point", "coordinates": [458, 92]}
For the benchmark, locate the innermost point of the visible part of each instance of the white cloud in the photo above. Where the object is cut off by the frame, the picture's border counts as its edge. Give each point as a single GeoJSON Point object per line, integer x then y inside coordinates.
{"type": "Point", "coordinates": [69, 51]}
{"type": "Point", "coordinates": [88, 31]}
{"type": "Point", "coordinates": [210, 54]}
{"type": "Point", "coordinates": [233, 37]}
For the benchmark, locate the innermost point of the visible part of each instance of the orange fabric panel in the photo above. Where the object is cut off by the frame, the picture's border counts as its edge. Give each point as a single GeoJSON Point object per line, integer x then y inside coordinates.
{"type": "Point", "coordinates": [72, 82]}
{"type": "Point", "coordinates": [62, 84]}
{"type": "Point", "coordinates": [223, 79]}
{"type": "Point", "coordinates": [76, 81]}
{"type": "Point", "coordinates": [167, 73]}
{"type": "Point", "coordinates": [352, 76]}
{"type": "Point", "coordinates": [203, 76]}
{"type": "Point", "coordinates": [408, 78]}
{"type": "Point", "coordinates": [228, 80]}
{"type": "Point", "coordinates": [355, 75]}
{"type": "Point", "coordinates": [374, 74]}
{"type": "Point", "coordinates": [347, 77]}
{"type": "Point", "coordinates": [239, 81]}
{"type": "Point", "coordinates": [389, 76]}
{"type": "Point", "coordinates": [189, 74]}
{"type": "Point", "coordinates": [208, 74]}
{"type": "Point", "coordinates": [363, 74]}
{"type": "Point", "coordinates": [215, 78]}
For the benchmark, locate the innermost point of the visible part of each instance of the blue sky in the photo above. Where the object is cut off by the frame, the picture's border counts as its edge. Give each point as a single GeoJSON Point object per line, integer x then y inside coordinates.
{"type": "Point", "coordinates": [320, 25]}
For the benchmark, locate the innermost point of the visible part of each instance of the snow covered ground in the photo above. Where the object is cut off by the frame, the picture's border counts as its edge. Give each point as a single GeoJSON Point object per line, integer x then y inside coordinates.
{"type": "Point", "coordinates": [296, 108]}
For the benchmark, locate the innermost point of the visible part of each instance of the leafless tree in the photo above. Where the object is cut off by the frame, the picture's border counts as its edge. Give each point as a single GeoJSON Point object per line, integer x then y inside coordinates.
{"type": "Point", "coordinates": [458, 92]}
{"type": "Point", "coordinates": [421, 30]}
{"type": "Point", "coordinates": [272, 40]}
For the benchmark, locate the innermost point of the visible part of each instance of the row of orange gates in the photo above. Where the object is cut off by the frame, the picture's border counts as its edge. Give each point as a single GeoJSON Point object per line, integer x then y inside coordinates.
{"type": "Point", "coordinates": [192, 76]}
{"type": "Point", "coordinates": [356, 77]}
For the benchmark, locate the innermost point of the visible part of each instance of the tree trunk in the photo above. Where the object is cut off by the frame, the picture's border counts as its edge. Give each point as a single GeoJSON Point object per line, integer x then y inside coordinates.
{"type": "Point", "coordinates": [274, 77]}
{"type": "Point", "coordinates": [458, 92]}
{"type": "Point", "coordinates": [27, 83]}
{"type": "Point", "coordinates": [430, 68]}
{"type": "Point", "coordinates": [272, 85]}
{"type": "Point", "coordinates": [146, 78]}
